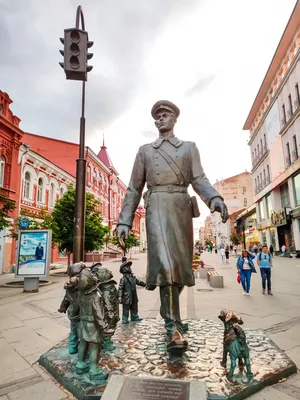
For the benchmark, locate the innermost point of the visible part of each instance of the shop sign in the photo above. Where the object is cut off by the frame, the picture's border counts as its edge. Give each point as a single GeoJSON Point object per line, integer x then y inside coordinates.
{"type": "Point", "coordinates": [296, 212]}
{"type": "Point", "coordinates": [278, 217]}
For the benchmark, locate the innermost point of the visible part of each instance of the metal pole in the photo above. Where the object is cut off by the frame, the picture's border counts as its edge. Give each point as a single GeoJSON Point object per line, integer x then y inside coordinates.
{"type": "Point", "coordinates": [78, 247]}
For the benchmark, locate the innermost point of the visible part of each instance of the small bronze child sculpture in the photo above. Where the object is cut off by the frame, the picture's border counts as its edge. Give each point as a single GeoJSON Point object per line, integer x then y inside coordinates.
{"type": "Point", "coordinates": [108, 290]}
{"type": "Point", "coordinates": [70, 306]}
{"type": "Point", "coordinates": [92, 325]}
{"type": "Point", "coordinates": [234, 344]}
{"type": "Point", "coordinates": [127, 292]}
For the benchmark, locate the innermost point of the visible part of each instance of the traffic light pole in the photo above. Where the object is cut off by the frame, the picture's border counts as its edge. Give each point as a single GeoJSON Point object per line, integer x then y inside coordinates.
{"type": "Point", "coordinates": [75, 65]}
{"type": "Point", "coordinates": [79, 234]}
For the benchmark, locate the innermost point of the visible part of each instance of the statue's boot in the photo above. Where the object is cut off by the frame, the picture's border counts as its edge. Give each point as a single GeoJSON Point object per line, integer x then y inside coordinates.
{"type": "Point", "coordinates": [96, 373]}
{"type": "Point", "coordinates": [108, 344]}
{"type": "Point", "coordinates": [125, 320]}
{"type": "Point", "coordinates": [73, 338]}
{"type": "Point", "coordinates": [82, 367]}
{"type": "Point", "coordinates": [135, 317]}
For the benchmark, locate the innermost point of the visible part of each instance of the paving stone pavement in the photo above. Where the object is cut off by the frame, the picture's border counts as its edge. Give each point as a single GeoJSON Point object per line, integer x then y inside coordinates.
{"type": "Point", "coordinates": [30, 324]}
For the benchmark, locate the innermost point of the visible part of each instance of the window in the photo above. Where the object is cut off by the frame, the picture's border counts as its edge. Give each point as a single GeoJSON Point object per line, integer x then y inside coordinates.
{"type": "Point", "coordinates": [258, 150]}
{"type": "Point", "coordinates": [297, 101]}
{"type": "Point", "coordinates": [2, 168]}
{"type": "Point", "coordinates": [255, 152]}
{"type": "Point", "coordinates": [27, 185]}
{"type": "Point", "coordinates": [288, 155]}
{"type": "Point", "coordinates": [269, 206]}
{"type": "Point", "coordinates": [284, 194]}
{"type": "Point", "coordinates": [283, 114]}
{"type": "Point", "coordinates": [245, 202]}
{"type": "Point", "coordinates": [62, 192]}
{"type": "Point", "coordinates": [40, 193]}
{"type": "Point", "coordinates": [52, 194]}
{"type": "Point", "coordinates": [255, 182]}
{"type": "Point", "coordinates": [261, 211]}
{"type": "Point", "coordinates": [244, 190]}
{"type": "Point", "coordinates": [295, 151]}
{"type": "Point", "coordinates": [296, 184]}
{"type": "Point", "coordinates": [265, 141]}
{"type": "Point", "coordinates": [290, 110]}
{"type": "Point", "coordinates": [252, 156]}
{"type": "Point", "coordinates": [261, 146]}
{"type": "Point", "coordinates": [268, 174]}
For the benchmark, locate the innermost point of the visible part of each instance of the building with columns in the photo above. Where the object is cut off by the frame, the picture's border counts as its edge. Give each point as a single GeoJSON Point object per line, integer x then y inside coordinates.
{"type": "Point", "coordinates": [274, 126]}
{"type": "Point", "coordinates": [10, 140]}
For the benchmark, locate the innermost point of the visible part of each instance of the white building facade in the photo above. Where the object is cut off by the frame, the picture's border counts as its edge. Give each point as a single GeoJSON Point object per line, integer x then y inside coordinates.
{"type": "Point", "coordinates": [274, 126]}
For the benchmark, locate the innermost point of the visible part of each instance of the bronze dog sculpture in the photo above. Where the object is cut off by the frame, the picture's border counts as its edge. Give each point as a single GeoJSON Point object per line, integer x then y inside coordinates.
{"type": "Point", "coordinates": [234, 344]}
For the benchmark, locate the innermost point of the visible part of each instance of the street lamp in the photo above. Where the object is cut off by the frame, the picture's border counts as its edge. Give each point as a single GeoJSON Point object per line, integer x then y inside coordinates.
{"type": "Point", "coordinates": [76, 45]}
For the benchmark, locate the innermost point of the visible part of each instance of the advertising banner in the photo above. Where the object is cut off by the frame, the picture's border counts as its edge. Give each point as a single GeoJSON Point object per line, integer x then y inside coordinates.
{"type": "Point", "coordinates": [34, 253]}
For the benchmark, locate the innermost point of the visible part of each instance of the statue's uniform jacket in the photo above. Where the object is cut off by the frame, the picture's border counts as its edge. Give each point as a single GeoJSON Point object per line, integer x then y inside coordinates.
{"type": "Point", "coordinates": [169, 218]}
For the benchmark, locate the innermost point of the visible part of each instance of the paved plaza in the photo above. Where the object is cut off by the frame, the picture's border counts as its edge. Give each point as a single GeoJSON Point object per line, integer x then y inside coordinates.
{"type": "Point", "coordinates": [30, 324]}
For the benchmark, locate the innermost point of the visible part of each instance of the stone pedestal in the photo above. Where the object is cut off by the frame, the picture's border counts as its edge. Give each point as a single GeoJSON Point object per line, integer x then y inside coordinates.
{"type": "Point", "coordinates": [141, 352]}
{"type": "Point", "coordinates": [216, 281]}
{"type": "Point", "coordinates": [202, 273]}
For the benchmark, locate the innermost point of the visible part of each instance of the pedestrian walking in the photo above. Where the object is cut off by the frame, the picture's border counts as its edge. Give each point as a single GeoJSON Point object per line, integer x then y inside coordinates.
{"type": "Point", "coordinates": [235, 249]}
{"type": "Point", "coordinates": [255, 248]}
{"type": "Point", "coordinates": [222, 252]}
{"type": "Point", "coordinates": [271, 250]}
{"type": "Point", "coordinates": [283, 250]}
{"type": "Point", "coordinates": [231, 248]}
{"type": "Point", "coordinates": [245, 267]}
{"type": "Point", "coordinates": [264, 261]}
{"type": "Point", "coordinates": [250, 248]}
{"type": "Point", "coordinates": [227, 255]}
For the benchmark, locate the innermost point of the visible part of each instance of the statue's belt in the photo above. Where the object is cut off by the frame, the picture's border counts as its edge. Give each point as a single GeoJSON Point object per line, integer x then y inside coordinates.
{"type": "Point", "coordinates": [163, 188]}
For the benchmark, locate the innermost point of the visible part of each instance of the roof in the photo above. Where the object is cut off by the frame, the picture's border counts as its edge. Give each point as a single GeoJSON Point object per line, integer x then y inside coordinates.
{"type": "Point", "coordinates": [284, 43]}
{"type": "Point", "coordinates": [104, 156]}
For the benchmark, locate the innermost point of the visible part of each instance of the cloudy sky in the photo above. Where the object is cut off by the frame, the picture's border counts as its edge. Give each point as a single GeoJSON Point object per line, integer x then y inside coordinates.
{"type": "Point", "coordinates": [207, 56]}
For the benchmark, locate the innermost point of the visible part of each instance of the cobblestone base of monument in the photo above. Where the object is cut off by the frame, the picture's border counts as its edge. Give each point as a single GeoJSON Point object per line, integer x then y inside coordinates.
{"type": "Point", "coordinates": [141, 351]}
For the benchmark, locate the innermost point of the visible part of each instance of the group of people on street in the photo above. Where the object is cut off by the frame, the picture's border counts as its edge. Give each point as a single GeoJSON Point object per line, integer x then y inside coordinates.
{"type": "Point", "coordinates": [245, 268]}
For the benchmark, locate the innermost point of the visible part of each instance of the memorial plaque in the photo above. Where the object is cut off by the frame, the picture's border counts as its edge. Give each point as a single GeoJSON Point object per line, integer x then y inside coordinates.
{"type": "Point", "coordinates": [154, 389]}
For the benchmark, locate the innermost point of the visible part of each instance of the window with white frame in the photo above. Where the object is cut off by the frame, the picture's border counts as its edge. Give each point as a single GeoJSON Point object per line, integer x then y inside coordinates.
{"type": "Point", "coordinates": [52, 194]}
{"type": "Point", "coordinates": [40, 192]}
{"type": "Point", "coordinates": [2, 168]}
{"type": "Point", "coordinates": [27, 185]}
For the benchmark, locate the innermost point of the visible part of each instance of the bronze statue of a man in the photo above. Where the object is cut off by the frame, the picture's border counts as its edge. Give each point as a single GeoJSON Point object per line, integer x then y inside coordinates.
{"type": "Point", "coordinates": [168, 166]}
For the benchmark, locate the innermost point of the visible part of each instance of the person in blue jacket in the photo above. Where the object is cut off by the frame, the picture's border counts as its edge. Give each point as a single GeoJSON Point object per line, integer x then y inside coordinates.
{"type": "Point", "coordinates": [245, 267]}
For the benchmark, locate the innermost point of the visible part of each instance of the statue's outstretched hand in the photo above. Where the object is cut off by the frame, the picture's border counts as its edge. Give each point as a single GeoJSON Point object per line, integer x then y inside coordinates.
{"type": "Point", "coordinates": [122, 233]}
{"type": "Point", "coordinates": [217, 204]}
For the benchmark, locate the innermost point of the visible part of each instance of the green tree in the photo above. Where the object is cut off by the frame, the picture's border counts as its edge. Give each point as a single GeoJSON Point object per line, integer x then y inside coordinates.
{"type": "Point", "coordinates": [36, 220]}
{"type": "Point", "coordinates": [7, 207]}
{"type": "Point", "coordinates": [236, 239]}
{"type": "Point", "coordinates": [131, 241]}
{"type": "Point", "coordinates": [62, 219]}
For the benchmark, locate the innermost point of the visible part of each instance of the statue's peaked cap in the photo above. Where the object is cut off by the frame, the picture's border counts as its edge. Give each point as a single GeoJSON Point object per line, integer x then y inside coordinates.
{"type": "Point", "coordinates": [165, 105]}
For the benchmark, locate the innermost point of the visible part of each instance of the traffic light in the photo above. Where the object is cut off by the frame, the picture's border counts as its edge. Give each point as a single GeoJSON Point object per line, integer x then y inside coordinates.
{"type": "Point", "coordinates": [76, 45]}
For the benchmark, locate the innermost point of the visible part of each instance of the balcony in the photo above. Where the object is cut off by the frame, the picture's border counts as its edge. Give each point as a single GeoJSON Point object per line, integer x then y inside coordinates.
{"type": "Point", "coordinates": [288, 161]}
{"type": "Point", "coordinates": [259, 157]}
{"type": "Point", "coordinates": [295, 155]}
{"type": "Point", "coordinates": [263, 184]}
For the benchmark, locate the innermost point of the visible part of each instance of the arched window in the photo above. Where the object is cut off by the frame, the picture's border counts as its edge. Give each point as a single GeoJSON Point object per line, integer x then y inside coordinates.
{"type": "Point", "coordinates": [62, 192]}
{"type": "Point", "coordinates": [27, 185]}
{"type": "Point", "coordinates": [52, 194]}
{"type": "Point", "coordinates": [2, 168]}
{"type": "Point", "coordinates": [40, 193]}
